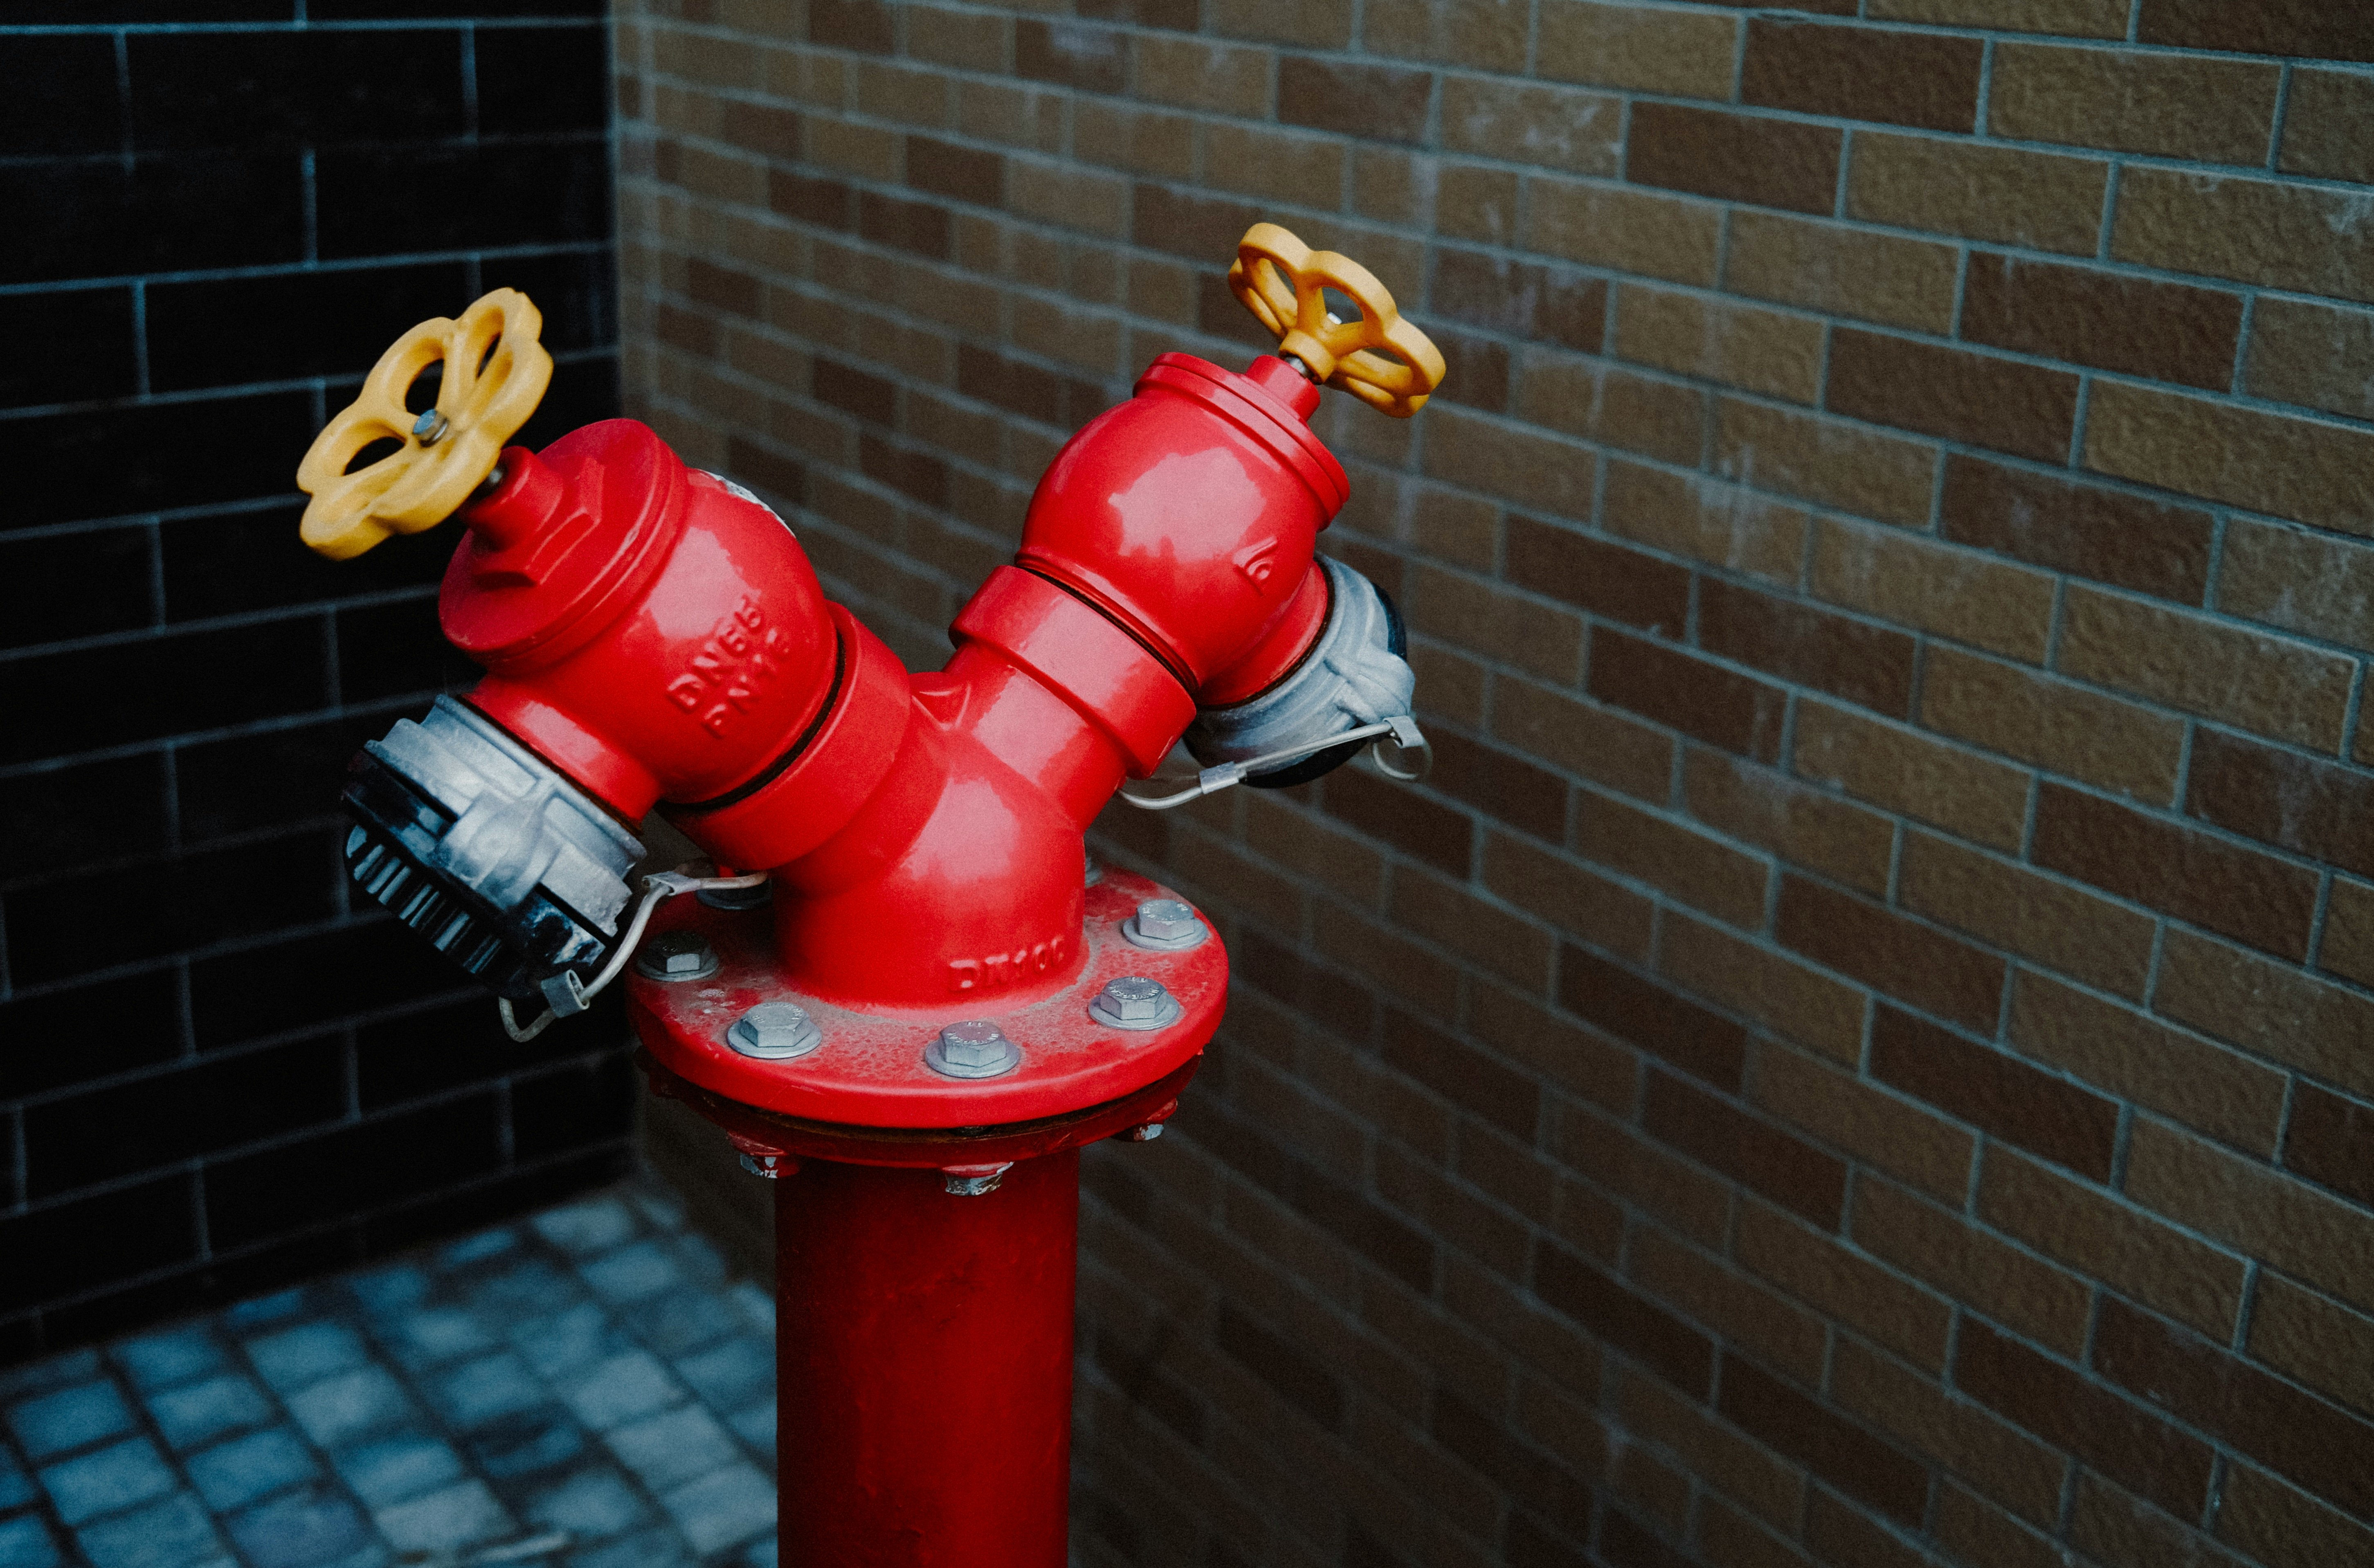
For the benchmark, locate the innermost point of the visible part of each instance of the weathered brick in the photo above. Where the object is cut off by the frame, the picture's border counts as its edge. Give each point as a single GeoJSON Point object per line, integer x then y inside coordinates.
{"type": "Point", "coordinates": [1770, 986]}
{"type": "Point", "coordinates": [1967, 1440]}
{"type": "Point", "coordinates": [2312, 354]}
{"type": "Point", "coordinates": [1271, 164]}
{"type": "Point", "coordinates": [1520, 298]}
{"type": "Point", "coordinates": [2012, 1285]}
{"type": "Point", "coordinates": [1642, 47]}
{"type": "Point", "coordinates": [1639, 231]}
{"type": "Point", "coordinates": [1194, 72]}
{"type": "Point", "coordinates": [1488, 619]}
{"type": "Point", "coordinates": [1486, 34]}
{"type": "Point", "coordinates": [1764, 351]}
{"type": "Point", "coordinates": [2268, 1008]}
{"type": "Point", "coordinates": [2302, 803]}
{"type": "Point", "coordinates": [1592, 742]}
{"type": "Point", "coordinates": [1842, 1286]}
{"type": "Point", "coordinates": [1782, 1167]}
{"type": "Point", "coordinates": [2329, 125]}
{"type": "Point", "coordinates": [919, 226]}
{"type": "Point", "coordinates": [1608, 1309]}
{"type": "Point", "coordinates": [2078, 19]}
{"type": "Point", "coordinates": [1702, 872]}
{"type": "Point", "coordinates": [1432, 833]}
{"type": "Point", "coordinates": [1906, 771]}
{"type": "Point", "coordinates": [2276, 27]}
{"type": "Point", "coordinates": [2348, 946]}
{"type": "Point", "coordinates": [1571, 897]}
{"type": "Point", "coordinates": [1905, 79]}
{"type": "Point", "coordinates": [1810, 827]}
{"type": "Point", "coordinates": [2120, 1245]}
{"type": "Point", "coordinates": [1652, 1017]}
{"type": "Point", "coordinates": [1996, 1092]}
{"type": "Point", "coordinates": [2252, 898]}
{"type": "Point", "coordinates": [2090, 737]}
{"type": "Point", "coordinates": [1838, 1531]}
{"type": "Point", "coordinates": [1522, 123]}
{"type": "Point", "coordinates": [2321, 1239]}
{"type": "Point", "coordinates": [2086, 529]}
{"type": "Point", "coordinates": [2093, 939]}
{"type": "Point", "coordinates": [1632, 1167]}
{"type": "Point", "coordinates": [1546, 473]}
{"type": "Point", "coordinates": [1659, 681]}
{"type": "Point", "coordinates": [1705, 519]}
{"type": "Point", "coordinates": [1604, 403]}
{"type": "Point", "coordinates": [2115, 1528]}
{"type": "Point", "coordinates": [1734, 1466]}
{"type": "Point", "coordinates": [2312, 470]}
{"type": "Point", "coordinates": [1887, 278]}
{"type": "Point", "coordinates": [1959, 594]}
{"type": "Point", "coordinates": [2006, 194]}
{"type": "Point", "coordinates": [1881, 1129]}
{"type": "Point", "coordinates": [2171, 105]}
{"type": "Point", "coordinates": [2331, 1140]}
{"type": "Point", "coordinates": [1861, 663]}
{"type": "Point", "coordinates": [1737, 1307]}
{"type": "Point", "coordinates": [2275, 232]}
{"type": "Point", "coordinates": [1838, 1450]}
{"type": "Point", "coordinates": [1387, 103]}
{"type": "Point", "coordinates": [2318, 1340]}
{"type": "Point", "coordinates": [2014, 407]}
{"type": "Point", "coordinates": [1825, 460]}
{"type": "Point", "coordinates": [2267, 1518]}
{"type": "Point", "coordinates": [1903, 958]}
{"type": "Point", "coordinates": [2118, 1438]}
{"type": "Point", "coordinates": [1737, 158]}
{"type": "Point", "coordinates": [2168, 332]}
{"type": "Point", "coordinates": [1500, 784]}
{"type": "Point", "coordinates": [2268, 684]}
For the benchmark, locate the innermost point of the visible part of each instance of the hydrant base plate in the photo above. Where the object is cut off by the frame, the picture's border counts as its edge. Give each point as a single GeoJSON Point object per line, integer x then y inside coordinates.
{"type": "Point", "coordinates": [870, 1070]}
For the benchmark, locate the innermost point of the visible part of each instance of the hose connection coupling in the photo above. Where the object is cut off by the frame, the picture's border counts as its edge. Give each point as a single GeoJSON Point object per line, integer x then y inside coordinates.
{"type": "Point", "coordinates": [1353, 688]}
{"type": "Point", "coordinates": [480, 846]}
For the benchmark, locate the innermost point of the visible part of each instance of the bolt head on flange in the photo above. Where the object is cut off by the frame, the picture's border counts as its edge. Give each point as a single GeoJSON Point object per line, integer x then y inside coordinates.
{"type": "Point", "coordinates": [775, 1030]}
{"type": "Point", "coordinates": [676, 955]}
{"type": "Point", "coordinates": [1132, 1002]}
{"type": "Point", "coordinates": [975, 1049]}
{"type": "Point", "coordinates": [1164, 925]}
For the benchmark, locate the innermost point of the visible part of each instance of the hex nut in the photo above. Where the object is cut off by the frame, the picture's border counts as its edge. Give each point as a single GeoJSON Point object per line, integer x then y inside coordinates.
{"type": "Point", "coordinates": [677, 955]}
{"type": "Point", "coordinates": [775, 1030]}
{"type": "Point", "coordinates": [974, 1049]}
{"type": "Point", "coordinates": [1134, 1002]}
{"type": "Point", "coordinates": [1164, 925]}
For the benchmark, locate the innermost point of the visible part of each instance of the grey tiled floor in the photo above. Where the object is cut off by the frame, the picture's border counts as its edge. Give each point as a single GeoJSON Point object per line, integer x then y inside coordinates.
{"type": "Point", "coordinates": [589, 1373]}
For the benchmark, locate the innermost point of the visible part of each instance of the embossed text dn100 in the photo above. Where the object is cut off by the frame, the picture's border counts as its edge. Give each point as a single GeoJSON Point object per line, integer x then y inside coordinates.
{"type": "Point", "coordinates": [999, 968]}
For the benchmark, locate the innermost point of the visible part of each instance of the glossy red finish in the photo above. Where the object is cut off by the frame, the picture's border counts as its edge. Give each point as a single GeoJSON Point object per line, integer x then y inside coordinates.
{"type": "Point", "coordinates": [923, 1367]}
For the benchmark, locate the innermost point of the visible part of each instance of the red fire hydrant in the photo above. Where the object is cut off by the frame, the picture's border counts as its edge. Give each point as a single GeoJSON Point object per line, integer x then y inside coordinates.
{"type": "Point", "coordinates": [902, 981]}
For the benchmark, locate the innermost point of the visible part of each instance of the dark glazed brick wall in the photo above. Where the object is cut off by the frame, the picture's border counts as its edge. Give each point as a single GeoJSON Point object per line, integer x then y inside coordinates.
{"type": "Point", "coordinates": [217, 1072]}
{"type": "Point", "coordinates": [1863, 1052]}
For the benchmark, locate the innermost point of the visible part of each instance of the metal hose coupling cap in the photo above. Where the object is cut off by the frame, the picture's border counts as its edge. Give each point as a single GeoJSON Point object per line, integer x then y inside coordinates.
{"type": "Point", "coordinates": [1356, 676]}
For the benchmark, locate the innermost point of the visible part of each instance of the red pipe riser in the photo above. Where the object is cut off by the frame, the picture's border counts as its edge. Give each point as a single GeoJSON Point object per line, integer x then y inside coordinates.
{"type": "Point", "coordinates": [923, 1348]}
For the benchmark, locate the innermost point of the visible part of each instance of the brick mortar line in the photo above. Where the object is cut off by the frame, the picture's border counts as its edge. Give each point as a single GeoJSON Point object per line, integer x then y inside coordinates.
{"type": "Point", "coordinates": [219, 732]}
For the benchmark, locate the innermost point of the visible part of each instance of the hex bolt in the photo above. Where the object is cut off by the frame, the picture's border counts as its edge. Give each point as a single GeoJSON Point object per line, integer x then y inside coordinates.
{"type": "Point", "coordinates": [974, 1049]}
{"type": "Point", "coordinates": [431, 427]}
{"type": "Point", "coordinates": [775, 1030]}
{"type": "Point", "coordinates": [1164, 925]}
{"type": "Point", "coordinates": [1132, 1002]}
{"type": "Point", "coordinates": [677, 955]}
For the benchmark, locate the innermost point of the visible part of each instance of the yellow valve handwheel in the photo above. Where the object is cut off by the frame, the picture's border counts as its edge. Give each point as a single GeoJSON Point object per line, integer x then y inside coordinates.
{"type": "Point", "coordinates": [1379, 358]}
{"type": "Point", "coordinates": [495, 374]}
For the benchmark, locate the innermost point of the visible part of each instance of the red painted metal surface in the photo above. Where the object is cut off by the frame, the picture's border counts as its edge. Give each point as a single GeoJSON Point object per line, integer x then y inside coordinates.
{"type": "Point", "coordinates": [924, 1349]}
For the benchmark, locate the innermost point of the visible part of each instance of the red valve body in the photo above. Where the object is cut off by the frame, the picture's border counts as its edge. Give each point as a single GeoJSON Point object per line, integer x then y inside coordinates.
{"type": "Point", "coordinates": [662, 639]}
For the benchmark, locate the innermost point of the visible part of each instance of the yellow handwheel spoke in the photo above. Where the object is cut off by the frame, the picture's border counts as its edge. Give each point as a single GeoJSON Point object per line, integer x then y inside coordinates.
{"type": "Point", "coordinates": [1378, 357]}
{"type": "Point", "coordinates": [443, 458]}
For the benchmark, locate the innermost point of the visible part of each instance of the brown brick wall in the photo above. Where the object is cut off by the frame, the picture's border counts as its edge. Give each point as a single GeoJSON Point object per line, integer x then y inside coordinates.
{"type": "Point", "coordinates": [1863, 1052]}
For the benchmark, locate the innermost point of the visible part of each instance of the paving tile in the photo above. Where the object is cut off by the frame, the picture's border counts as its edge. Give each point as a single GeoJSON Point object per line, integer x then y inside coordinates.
{"type": "Point", "coordinates": [593, 1503]}
{"type": "Point", "coordinates": [730, 1375]}
{"type": "Point", "coordinates": [632, 1272]}
{"type": "Point", "coordinates": [723, 1508]}
{"type": "Point", "coordinates": [758, 1554]}
{"type": "Point", "coordinates": [754, 1305]}
{"type": "Point", "coordinates": [259, 1311]}
{"type": "Point", "coordinates": [83, 1489]}
{"type": "Point", "coordinates": [532, 1285]}
{"type": "Point", "coordinates": [661, 1209]}
{"type": "Point", "coordinates": [390, 1290]}
{"type": "Point", "coordinates": [485, 1390]}
{"type": "Point", "coordinates": [340, 1410]}
{"type": "Point", "coordinates": [395, 1469]}
{"type": "Point", "coordinates": [459, 1516]}
{"type": "Point", "coordinates": [434, 1335]}
{"type": "Point", "coordinates": [757, 1426]}
{"type": "Point", "coordinates": [72, 1418]}
{"type": "Point", "coordinates": [234, 1474]}
{"type": "Point", "coordinates": [621, 1388]}
{"type": "Point", "coordinates": [568, 1342]}
{"type": "Point", "coordinates": [177, 1357]}
{"type": "Point", "coordinates": [313, 1528]}
{"type": "Point", "coordinates": [26, 1543]}
{"type": "Point", "coordinates": [677, 1323]}
{"type": "Point", "coordinates": [42, 1376]}
{"type": "Point", "coordinates": [299, 1357]}
{"type": "Point", "coordinates": [588, 1228]}
{"type": "Point", "coordinates": [197, 1413]}
{"type": "Point", "coordinates": [700, 1260]}
{"type": "Point", "coordinates": [657, 1547]}
{"type": "Point", "coordinates": [522, 1445]}
{"type": "Point", "coordinates": [175, 1533]}
{"type": "Point", "coordinates": [668, 1450]}
{"type": "Point", "coordinates": [16, 1486]}
{"type": "Point", "coordinates": [477, 1248]}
